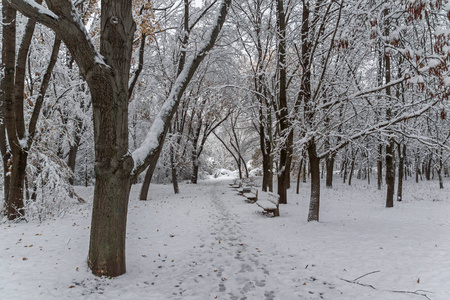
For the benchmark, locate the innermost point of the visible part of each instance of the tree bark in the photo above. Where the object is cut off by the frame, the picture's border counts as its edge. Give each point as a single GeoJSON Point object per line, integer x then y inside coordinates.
{"type": "Point", "coordinates": [314, 204]}
{"type": "Point", "coordinates": [390, 176]}
{"type": "Point", "coordinates": [401, 149]}
{"type": "Point", "coordinates": [299, 175]}
{"type": "Point", "coordinates": [284, 123]}
{"type": "Point", "coordinates": [109, 91]}
{"type": "Point", "coordinates": [380, 166]}
{"type": "Point", "coordinates": [352, 168]}
{"type": "Point", "coordinates": [146, 184]}
{"type": "Point", "coordinates": [173, 167]}
{"type": "Point", "coordinates": [330, 170]}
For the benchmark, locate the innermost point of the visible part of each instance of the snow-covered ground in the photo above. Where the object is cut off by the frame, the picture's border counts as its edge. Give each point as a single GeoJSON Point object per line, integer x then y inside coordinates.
{"type": "Point", "coordinates": [208, 243]}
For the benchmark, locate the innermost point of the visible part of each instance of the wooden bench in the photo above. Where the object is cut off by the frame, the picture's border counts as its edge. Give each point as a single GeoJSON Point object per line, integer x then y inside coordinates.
{"type": "Point", "coordinates": [236, 184]}
{"type": "Point", "coordinates": [251, 195]}
{"type": "Point", "coordinates": [269, 202]}
{"type": "Point", "coordinates": [244, 190]}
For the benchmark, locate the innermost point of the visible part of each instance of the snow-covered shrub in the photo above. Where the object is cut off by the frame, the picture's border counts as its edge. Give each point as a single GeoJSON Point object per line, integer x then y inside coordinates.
{"type": "Point", "coordinates": [49, 192]}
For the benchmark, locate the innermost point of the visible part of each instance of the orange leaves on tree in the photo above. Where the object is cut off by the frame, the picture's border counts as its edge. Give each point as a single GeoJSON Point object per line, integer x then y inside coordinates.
{"type": "Point", "coordinates": [144, 17]}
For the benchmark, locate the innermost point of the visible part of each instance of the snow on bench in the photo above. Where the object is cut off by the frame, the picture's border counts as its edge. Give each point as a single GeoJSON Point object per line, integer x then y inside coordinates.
{"type": "Point", "coordinates": [269, 202]}
{"type": "Point", "coordinates": [237, 183]}
{"type": "Point", "coordinates": [251, 195]}
{"type": "Point", "coordinates": [244, 189]}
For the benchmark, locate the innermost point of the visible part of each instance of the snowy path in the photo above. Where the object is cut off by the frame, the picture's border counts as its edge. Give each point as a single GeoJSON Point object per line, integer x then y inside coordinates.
{"type": "Point", "coordinates": [238, 270]}
{"type": "Point", "coordinates": [233, 253]}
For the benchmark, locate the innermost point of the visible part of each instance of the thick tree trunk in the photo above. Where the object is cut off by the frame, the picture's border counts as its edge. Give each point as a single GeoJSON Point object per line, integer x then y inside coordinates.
{"type": "Point", "coordinates": [109, 91]}
{"type": "Point", "coordinates": [109, 220]}
{"type": "Point", "coordinates": [112, 175]}
{"type": "Point", "coordinates": [16, 188]}
{"type": "Point", "coordinates": [314, 204]}
{"type": "Point", "coordinates": [7, 86]}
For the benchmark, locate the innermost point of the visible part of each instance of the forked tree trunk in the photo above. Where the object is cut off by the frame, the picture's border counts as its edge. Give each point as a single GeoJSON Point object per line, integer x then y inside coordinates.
{"type": "Point", "coordinates": [107, 76]}
{"type": "Point", "coordinates": [314, 204]}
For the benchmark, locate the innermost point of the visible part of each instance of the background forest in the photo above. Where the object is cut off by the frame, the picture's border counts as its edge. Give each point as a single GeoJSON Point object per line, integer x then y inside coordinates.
{"type": "Point", "coordinates": [118, 93]}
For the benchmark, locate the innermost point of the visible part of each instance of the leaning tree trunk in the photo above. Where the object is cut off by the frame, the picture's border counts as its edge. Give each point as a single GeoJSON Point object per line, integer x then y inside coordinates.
{"type": "Point", "coordinates": [314, 203]}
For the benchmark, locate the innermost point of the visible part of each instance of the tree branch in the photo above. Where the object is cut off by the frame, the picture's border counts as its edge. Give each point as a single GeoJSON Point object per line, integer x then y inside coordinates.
{"type": "Point", "coordinates": [154, 140]}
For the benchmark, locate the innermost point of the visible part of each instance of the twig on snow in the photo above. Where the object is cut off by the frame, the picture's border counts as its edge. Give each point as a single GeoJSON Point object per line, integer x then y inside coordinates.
{"type": "Point", "coordinates": [415, 293]}
{"type": "Point", "coordinates": [365, 275]}
{"type": "Point", "coordinates": [355, 282]}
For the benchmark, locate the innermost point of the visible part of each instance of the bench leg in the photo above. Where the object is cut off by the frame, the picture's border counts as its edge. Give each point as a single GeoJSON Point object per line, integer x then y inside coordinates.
{"type": "Point", "coordinates": [276, 212]}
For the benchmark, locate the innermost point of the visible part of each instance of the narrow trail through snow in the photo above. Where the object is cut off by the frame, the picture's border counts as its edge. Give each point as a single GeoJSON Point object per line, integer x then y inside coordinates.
{"type": "Point", "coordinates": [222, 263]}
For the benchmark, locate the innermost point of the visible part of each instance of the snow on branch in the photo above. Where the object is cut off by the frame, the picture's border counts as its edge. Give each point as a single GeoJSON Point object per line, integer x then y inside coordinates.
{"type": "Point", "coordinates": [64, 20]}
{"type": "Point", "coordinates": [154, 140]}
{"type": "Point", "coordinates": [378, 127]}
{"type": "Point", "coordinates": [34, 10]}
{"type": "Point", "coordinates": [363, 93]}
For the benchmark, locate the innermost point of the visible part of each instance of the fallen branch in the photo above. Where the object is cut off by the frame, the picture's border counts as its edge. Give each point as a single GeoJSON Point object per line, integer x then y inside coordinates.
{"type": "Point", "coordinates": [365, 275]}
{"type": "Point", "coordinates": [415, 293]}
{"type": "Point", "coordinates": [355, 282]}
